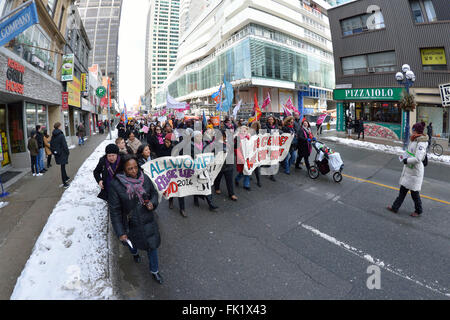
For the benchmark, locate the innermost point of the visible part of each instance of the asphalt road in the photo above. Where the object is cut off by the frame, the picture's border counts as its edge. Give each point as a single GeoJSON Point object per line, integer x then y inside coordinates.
{"type": "Point", "coordinates": [302, 239]}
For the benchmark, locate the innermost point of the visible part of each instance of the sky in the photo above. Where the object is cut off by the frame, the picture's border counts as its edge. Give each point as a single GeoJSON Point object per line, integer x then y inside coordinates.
{"type": "Point", "coordinates": [132, 51]}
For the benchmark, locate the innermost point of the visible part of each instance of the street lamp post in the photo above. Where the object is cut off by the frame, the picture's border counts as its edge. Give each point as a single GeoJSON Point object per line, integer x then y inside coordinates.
{"type": "Point", "coordinates": [406, 78]}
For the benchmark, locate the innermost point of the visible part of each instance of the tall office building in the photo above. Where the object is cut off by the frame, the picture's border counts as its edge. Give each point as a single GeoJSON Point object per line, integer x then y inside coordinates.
{"type": "Point", "coordinates": [101, 20]}
{"type": "Point", "coordinates": [282, 48]}
{"type": "Point", "coordinates": [162, 44]}
{"type": "Point", "coordinates": [190, 10]}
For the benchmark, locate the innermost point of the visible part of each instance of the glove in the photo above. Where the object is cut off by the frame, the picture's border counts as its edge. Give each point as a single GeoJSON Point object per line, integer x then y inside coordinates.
{"type": "Point", "coordinates": [405, 161]}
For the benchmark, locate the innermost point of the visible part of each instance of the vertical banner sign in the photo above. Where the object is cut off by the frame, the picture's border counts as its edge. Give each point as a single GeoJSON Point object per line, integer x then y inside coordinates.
{"type": "Point", "coordinates": [445, 94]}
{"type": "Point", "coordinates": [67, 67]}
{"type": "Point", "coordinates": [73, 87]}
{"type": "Point", "coordinates": [83, 82]}
{"type": "Point", "coordinates": [65, 101]}
{"type": "Point", "coordinates": [14, 77]}
{"type": "Point", "coordinates": [18, 23]}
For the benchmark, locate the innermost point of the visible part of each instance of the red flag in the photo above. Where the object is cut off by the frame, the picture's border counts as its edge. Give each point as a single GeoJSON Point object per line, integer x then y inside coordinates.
{"type": "Point", "coordinates": [257, 112]}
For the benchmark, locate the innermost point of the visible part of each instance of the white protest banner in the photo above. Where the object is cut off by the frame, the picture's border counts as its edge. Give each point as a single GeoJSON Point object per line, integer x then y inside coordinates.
{"type": "Point", "coordinates": [162, 119]}
{"type": "Point", "coordinates": [265, 149]}
{"type": "Point", "coordinates": [183, 176]}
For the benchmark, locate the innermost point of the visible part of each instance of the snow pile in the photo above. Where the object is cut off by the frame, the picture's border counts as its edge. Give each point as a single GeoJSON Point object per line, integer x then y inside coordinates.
{"type": "Point", "coordinates": [70, 257]}
{"type": "Point", "coordinates": [383, 148]}
{"type": "Point", "coordinates": [3, 204]}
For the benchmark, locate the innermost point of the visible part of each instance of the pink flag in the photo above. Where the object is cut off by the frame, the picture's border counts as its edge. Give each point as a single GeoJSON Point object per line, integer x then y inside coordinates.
{"type": "Point", "coordinates": [321, 119]}
{"type": "Point", "coordinates": [266, 101]}
{"type": "Point", "coordinates": [290, 105]}
{"type": "Point", "coordinates": [287, 112]}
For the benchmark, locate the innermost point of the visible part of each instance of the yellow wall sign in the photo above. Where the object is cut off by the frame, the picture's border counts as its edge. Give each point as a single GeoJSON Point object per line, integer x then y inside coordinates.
{"type": "Point", "coordinates": [433, 56]}
{"type": "Point", "coordinates": [73, 87]}
{"type": "Point", "coordinates": [83, 82]}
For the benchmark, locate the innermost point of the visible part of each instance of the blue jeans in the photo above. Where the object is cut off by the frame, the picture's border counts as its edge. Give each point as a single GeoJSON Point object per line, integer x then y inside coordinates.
{"type": "Point", "coordinates": [289, 160]}
{"type": "Point", "coordinates": [41, 159]}
{"type": "Point", "coordinates": [246, 179]}
{"type": "Point", "coordinates": [152, 258]}
{"type": "Point", "coordinates": [81, 141]}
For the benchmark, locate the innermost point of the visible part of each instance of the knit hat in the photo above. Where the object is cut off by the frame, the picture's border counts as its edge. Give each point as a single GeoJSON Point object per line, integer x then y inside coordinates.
{"type": "Point", "coordinates": [111, 149]}
{"type": "Point", "coordinates": [419, 127]}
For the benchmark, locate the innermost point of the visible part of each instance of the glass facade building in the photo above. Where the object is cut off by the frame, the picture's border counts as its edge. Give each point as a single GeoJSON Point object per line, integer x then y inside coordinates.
{"type": "Point", "coordinates": [257, 52]}
{"type": "Point", "coordinates": [101, 20]}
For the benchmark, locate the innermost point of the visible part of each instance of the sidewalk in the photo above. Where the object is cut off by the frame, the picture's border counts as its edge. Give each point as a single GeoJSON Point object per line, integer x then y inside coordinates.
{"type": "Point", "coordinates": [31, 201]}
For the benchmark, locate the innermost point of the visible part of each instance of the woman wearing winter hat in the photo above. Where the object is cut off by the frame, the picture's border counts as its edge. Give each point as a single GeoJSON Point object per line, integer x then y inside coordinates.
{"type": "Point", "coordinates": [106, 168]}
{"type": "Point", "coordinates": [413, 170]}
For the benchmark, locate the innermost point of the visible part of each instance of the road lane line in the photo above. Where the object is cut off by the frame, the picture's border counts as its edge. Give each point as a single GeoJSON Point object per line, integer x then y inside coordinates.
{"type": "Point", "coordinates": [431, 286]}
{"type": "Point", "coordinates": [393, 188]}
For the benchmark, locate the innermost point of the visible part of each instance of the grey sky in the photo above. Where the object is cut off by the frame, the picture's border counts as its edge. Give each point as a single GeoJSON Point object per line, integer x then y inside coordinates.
{"type": "Point", "coordinates": [132, 51]}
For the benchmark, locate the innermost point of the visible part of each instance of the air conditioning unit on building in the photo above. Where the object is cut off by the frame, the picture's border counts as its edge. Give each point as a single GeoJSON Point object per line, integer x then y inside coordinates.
{"type": "Point", "coordinates": [371, 70]}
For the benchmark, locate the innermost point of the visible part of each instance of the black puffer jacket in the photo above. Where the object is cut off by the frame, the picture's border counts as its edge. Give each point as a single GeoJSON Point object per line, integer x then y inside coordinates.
{"type": "Point", "coordinates": [59, 148]}
{"type": "Point", "coordinates": [101, 174]}
{"type": "Point", "coordinates": [133, 219]}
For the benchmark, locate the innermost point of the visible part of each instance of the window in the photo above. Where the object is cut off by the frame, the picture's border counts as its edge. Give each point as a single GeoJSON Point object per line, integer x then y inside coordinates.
{"type": "Point", "coordinates": [371, 63]}
{"type": "Point", "coordinates": [51, 6]}
{"type": "Point", "coordinates": [423, 11]}
{"type": "Point", "coordinates": [362, 23]}
{"type": "Point", "coordinates": [433, 59]}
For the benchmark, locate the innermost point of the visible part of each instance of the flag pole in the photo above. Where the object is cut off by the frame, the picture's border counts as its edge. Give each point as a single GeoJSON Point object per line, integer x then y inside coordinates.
{"type": "Point", "coordinates": [109, 110]}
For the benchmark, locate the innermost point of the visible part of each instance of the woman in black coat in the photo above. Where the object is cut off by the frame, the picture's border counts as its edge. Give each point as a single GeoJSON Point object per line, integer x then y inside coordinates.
{"type": "Point", "coordinates": [156, 141]}
{"type": "Point", "coordinates": [106, 169]}
{"type": "Point", "coordinates": [227, 171]}
{"type": "Point", "coordinates": [132, 201]}
{"type": "Point", "coordinates": [304, 136]}
{"type": "Point", "coordinates": [58, 146]}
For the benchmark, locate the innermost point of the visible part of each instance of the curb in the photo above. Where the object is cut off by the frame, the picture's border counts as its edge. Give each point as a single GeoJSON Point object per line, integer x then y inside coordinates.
{"type": "Point", "coordinates": [113, 264]}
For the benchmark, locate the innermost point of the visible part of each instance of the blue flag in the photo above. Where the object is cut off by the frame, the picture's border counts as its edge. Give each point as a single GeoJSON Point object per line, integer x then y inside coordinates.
{"type": "Point", "coordinates": [229, 95]}
{"type": "Point", "coordinates": [18, 23]}
{"type": "Point", "coordinates": [204, 120]}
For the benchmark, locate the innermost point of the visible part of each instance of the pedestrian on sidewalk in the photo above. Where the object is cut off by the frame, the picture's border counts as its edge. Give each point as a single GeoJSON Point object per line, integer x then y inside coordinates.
{"type": "Point", "coordinates": [40, 140]}
{"type": "Point", "coordinates": [430, 133]}
{"type": "Point", "coordinates": [132, 201]}
{"type": "Point", "coordinates": [413, 170]}
{"type": "Point", "coordinates": [48, 152]}
{"type": "Point", "coordinates": [81, 132]}
{"type": "Point", "coordinates": [33, 147]}
{"type": "Point", "coordinates": [106, 169]}
{"type": "Point", "coordinates": [361, 127]}
{"type": "Point", "coordinates": [60, 150]}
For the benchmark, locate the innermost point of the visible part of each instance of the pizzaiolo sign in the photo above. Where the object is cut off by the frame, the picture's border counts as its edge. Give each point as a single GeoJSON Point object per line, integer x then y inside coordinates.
{"type": "Point", "coordinates": [382, 94]}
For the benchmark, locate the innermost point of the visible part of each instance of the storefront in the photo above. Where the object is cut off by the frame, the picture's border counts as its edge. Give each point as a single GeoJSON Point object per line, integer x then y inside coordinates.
{"type": "Point", "coordinates": [378, 107]}
{"type": "Point", "coordinates": [26, 94]}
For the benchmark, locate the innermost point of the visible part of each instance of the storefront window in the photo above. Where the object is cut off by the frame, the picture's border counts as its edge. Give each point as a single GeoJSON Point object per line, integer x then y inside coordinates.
{"type": "Point", "coordinates": [66, 123]}
{"type": "Point", "coordinates": [4, 154]}
{"type": "Point", "coordinates": [438, 116]}
{"type": "Point", "coordinates": [30, 110]}
{"type": "Point", "coordinates": [42, 116]}
{"type": "Point", "coordinates": [15, 119]}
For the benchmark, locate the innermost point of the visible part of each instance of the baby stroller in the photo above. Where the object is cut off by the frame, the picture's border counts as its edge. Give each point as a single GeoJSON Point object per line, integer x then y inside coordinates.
{"type": "Point", "coordinates": [326, 160]}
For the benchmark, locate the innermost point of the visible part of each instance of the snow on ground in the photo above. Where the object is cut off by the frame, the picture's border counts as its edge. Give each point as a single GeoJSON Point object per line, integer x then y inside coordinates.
{"type": "Point", "coordinates": [70, 257]}
{"type": "Point", "coordinates": [383, 148]}
{"type": "Point", "coordinates": [3, 204]}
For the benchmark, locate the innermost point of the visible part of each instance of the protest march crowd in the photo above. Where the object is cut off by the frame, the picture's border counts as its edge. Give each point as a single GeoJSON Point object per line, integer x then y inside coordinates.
{"type": "Point", "coordinates": [151, 160]}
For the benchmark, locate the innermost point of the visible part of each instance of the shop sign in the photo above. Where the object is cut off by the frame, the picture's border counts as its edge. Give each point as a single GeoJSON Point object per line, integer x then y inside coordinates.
{"type": "Point", "coordinates": [83, 83]}
{"type": "Point", "coordinates": [433, 56]}
{"type": "Point", "coordinates": [14, 77]}
{"type": "Point", "coordinates": [67, 67]}
{"type": "Point", "coordinates": [445, 94]}
{"type": "Point", "coordinates": [381, 94]}
{"type": "Point", "coordinates": [65, 101]}
{"type": "Point", "coordinates": [18, 23]}
{"type": "Point", "coordinates": [73, 87]}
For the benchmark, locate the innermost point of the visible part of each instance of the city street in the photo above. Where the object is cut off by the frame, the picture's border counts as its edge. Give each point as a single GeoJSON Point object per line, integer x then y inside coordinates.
{"type": "Point", "coordinates": [302, 239]}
